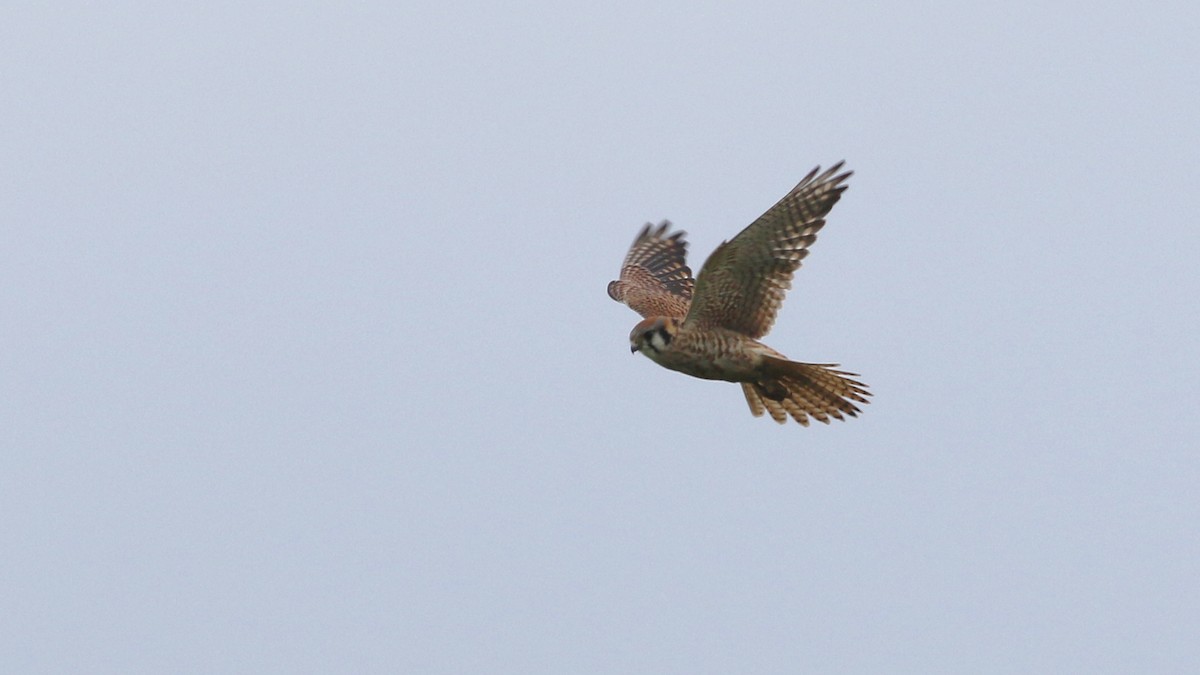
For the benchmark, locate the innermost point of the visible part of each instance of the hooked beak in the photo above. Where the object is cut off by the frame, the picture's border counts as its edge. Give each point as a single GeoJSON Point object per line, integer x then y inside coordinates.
{"type": "Point", "coordinates": [633, 349]}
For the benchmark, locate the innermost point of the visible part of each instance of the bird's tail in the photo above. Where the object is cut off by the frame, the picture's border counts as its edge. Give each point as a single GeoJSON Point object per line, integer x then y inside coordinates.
{"type": "Point", "coordinates": [804, 390]}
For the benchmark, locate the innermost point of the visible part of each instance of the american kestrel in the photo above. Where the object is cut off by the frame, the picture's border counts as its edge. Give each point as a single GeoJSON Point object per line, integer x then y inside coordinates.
{"type": "Point", "coordinates": [709, 327]}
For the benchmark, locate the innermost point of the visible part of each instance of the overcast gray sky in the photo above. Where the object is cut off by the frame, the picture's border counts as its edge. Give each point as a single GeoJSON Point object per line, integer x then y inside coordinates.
{"type": "Point", "coordinates": [308, 364]}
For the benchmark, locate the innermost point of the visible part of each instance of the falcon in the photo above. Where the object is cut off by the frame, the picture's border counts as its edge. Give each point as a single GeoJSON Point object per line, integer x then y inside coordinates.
{"type": "Point", "coordinates": [709, 327]}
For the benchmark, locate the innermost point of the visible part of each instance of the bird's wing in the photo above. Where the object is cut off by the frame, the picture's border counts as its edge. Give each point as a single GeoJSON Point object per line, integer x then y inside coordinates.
{"type": "Point", "coordinates": [743, 283]}
{"type": "Point", "coordinates": [655, 279]}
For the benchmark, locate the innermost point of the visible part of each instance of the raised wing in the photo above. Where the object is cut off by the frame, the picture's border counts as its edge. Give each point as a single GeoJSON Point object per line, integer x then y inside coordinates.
{"type": "Point", "coordinates": [655, 279]}
{"type": "Point", "coordinates": [743, 283]}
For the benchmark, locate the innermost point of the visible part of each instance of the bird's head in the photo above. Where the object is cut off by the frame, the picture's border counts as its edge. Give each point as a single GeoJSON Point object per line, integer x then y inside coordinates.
{"type": "Point", "coordinates": [653, 334]}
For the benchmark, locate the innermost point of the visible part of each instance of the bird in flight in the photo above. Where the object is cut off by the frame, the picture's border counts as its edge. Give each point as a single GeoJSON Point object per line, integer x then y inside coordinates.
{"type": "Point", "coordinates": [709, 327]}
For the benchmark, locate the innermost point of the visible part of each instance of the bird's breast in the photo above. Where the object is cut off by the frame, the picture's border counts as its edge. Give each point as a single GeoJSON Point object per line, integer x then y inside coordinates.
{"type": "Point", "coordinates": [710, 355]}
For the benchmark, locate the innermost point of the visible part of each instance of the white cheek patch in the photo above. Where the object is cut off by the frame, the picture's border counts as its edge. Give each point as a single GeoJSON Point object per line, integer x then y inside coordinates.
{"type": "Point", "coordinates": [657, 341]}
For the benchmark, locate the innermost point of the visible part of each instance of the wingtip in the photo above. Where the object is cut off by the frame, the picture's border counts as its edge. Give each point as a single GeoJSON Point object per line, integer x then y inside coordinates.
{"type": "Point", "coordinates": [829, 175]}
{"type": "Point", "coordinates": [651, 231]}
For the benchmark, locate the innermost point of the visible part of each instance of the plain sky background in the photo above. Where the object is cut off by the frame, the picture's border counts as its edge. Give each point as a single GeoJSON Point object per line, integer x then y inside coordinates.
{"type": "Point", "coordinates": [307, 363]}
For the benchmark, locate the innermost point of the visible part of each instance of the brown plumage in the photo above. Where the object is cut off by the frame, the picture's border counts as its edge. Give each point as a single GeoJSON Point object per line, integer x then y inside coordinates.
{"type": "Point", "coordinates": [709, 328]}
{"type": "Point", "coordinates": [655, 281]}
